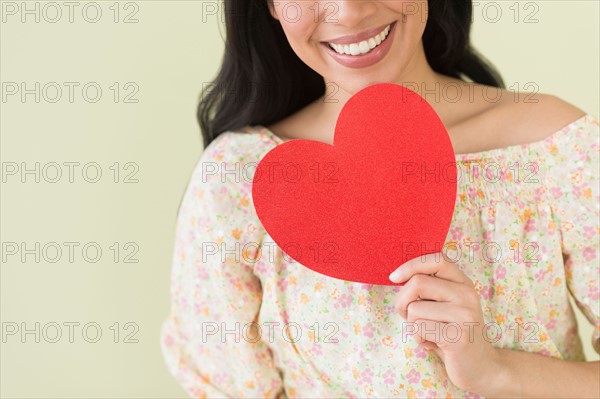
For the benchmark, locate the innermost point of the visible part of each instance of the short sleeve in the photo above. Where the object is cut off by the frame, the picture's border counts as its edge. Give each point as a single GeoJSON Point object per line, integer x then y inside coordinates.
{"type": "Point", "coordinates": [575, 187]}
{"type": "Point", "coordinates": [207, 339]}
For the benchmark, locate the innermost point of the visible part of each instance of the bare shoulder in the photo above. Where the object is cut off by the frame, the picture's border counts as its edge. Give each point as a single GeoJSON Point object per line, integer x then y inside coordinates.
{"type": "Point", "coordinates": [514, 118]}
{"type": "Point", "coordinates": [526, 117]}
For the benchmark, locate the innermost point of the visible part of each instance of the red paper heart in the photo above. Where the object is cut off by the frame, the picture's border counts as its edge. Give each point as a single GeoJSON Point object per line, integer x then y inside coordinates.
{"type": "Point", "coordinates": [360, 208]}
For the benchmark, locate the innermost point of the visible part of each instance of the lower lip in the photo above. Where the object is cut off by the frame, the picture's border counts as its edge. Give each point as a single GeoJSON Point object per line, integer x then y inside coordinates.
{"type": "Point", "coordinates": [365, 60]}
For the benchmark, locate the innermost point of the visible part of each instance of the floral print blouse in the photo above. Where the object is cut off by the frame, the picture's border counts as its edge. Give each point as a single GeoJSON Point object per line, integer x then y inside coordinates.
{"type": "Point", "coordinates": [248, 321]}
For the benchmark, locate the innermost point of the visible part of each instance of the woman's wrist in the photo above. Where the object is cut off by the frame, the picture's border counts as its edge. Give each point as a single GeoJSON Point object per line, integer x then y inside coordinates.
{"type": "Point", "coordinates": [519, 374]}
{"type": "Point", "coordinates": [499, 380]}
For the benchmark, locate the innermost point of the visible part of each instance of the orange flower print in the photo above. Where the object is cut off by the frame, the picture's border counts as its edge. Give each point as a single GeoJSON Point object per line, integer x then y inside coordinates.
{"type": "Point", "coordinates": [499, 290]}
{"type": "Point", "coordinates": [303, 298]}
{"type": "Point", "coordinates": [567, 226]}
{"type": "Point", "coordinates": [427, 383]}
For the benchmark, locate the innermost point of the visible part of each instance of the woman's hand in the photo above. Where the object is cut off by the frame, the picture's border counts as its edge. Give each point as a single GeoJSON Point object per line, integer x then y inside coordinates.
{"type": "Point", "coordinates": [445, 308]}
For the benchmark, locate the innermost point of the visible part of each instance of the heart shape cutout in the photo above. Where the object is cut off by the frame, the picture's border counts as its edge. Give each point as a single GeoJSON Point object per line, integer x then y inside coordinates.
{"type": "Point", "coordinates": [382, 194]}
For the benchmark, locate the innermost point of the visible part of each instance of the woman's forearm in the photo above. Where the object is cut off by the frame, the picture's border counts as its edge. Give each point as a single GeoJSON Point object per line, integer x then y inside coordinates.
{"type": "Point", "coordinates": [520, 374]}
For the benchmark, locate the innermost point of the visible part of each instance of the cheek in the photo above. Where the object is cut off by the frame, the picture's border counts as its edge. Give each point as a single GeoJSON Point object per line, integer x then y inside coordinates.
{"type": "Point", "coordinates": [413, 15]}
{"type": "Point", "coordinates": [298, 22]}
{"type": "Point", "coordinates": [407, 7]}
{"type": "Point", "coordinates": [297, 19]}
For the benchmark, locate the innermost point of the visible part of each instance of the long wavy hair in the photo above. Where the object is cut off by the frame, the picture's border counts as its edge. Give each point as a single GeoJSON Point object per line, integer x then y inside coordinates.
{"type": "Point", "coordinates": [262, 80]}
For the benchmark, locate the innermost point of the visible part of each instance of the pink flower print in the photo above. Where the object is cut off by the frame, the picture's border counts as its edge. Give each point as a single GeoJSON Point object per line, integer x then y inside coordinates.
{"type": "Point", "coordinates": [545, 352]}
{"type": "Point", "coordinates": [530, 225]}
{"type": "Point", "coordinates": [588, 232]}
{"type": "Point", "coordinates": [420, 353]}
{"type": "Point", "coordinates": [594, 292]}
{"type": "Point", "coordinates": [431, 394]}
{"type": "Point", "coordinates": [202, 273]}
{"type": "Point", "coordinates": [389, 377]}
{"type": "Point", "coordinates": [316, 348]}
{"type": "Point", "coordinates": [413, 376]}
{"type": "Point", "coordinates": [500, 272]}
{"type": "Point", "coordinates": [191, 236]}
{"type": "Point", "coordinates": [475, 170]}
{"type": "Point", "coordinates": [367, 375]}
{"type": "Point", "coordinates": [219, 377]}
{"type": "Point", "coordinates": [345, 301]}
{"type": "Point", "coordinates": [584, 157]}
{"type": "Point", "coordinates": [518, 255]}
{"type": "Point", "coordinates": [487, 292]}
{"type": "Point", "coordinates": [471, 395]}
{"type": "Point", "coordinates": [368, 330]}
{"type": "Point", "coordinates": [489, 332]}
{"type": "Point", "coordinates": [260, 266]}
{"type": "Point", "coordinates": [556, 192]}
{"type": "Point", "coordinates": [487, 236]}
{"type": "Point", "coordinates": [282, 283]}
{"type": "Point", "coordinates": [456, 233]}
{"type": "Point", "coordinates": [539, 276]}
{"type": "Point", "coordinates": [274, 384]}
{"type": "Point", "coordinates": [493, 174]}
{"type": "Point", "coordinates": [472, 192]}
{"type": "Point", "coordinates": [589, 254]}
{"type": "Point", "coordinates": [551, 324]}
{"type": "Point", "coordinates": [538, 194]}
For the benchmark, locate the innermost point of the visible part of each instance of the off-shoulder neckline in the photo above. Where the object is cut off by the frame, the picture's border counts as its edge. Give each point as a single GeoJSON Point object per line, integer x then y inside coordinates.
{"type": "Point", "coordinates": [485, 153]}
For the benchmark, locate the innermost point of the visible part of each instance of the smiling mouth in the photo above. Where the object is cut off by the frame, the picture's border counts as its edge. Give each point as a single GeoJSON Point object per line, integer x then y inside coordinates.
{"type": "Point", "coordinates": [361, 47]}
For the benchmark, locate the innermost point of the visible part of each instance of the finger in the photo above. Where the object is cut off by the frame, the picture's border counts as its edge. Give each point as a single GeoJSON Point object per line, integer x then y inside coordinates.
{"type": "Point", "coordinates": [443, 312]}
{"type": "Point", "coordinates": [422, 286]}
{"type": "Point", "coordinates": [428, 345]}
{"type": "Point", "coordinates": [429, 331]}
{"type": "Point", "coordinates": [433, 334]}
{"type": "Point", "coordinates": [429, 264]}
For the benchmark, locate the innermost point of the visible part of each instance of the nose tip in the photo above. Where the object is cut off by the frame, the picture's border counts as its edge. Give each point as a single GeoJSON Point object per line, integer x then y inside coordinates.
{"type": "Point", "coordinates": [349, 13]}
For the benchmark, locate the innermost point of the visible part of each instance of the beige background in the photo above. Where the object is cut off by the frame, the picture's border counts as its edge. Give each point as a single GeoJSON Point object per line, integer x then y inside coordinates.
{"type": "Point", "coordinates": [169, 53]}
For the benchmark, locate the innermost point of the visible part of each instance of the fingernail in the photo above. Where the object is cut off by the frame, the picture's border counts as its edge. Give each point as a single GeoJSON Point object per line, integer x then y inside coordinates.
{"type": "Point", "coordinates": [395, 276]}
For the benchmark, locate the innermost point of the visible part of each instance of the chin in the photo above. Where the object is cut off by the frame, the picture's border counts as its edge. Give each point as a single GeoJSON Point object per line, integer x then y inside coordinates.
{"type": "Point", "coordinates": [355, 81]}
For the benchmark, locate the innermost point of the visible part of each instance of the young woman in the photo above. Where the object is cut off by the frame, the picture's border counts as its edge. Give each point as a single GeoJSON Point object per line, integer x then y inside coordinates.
{"type": "Point", "coordinates": [248, 321]}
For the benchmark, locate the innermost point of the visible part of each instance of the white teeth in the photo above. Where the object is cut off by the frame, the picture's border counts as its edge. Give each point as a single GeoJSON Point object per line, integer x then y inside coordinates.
{"type": "Point", "coordinates": [362, 47]}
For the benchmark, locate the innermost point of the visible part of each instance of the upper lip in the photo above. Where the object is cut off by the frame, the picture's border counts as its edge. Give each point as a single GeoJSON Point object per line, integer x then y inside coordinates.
{"type": "Point", "coordinates": [358, 37]}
